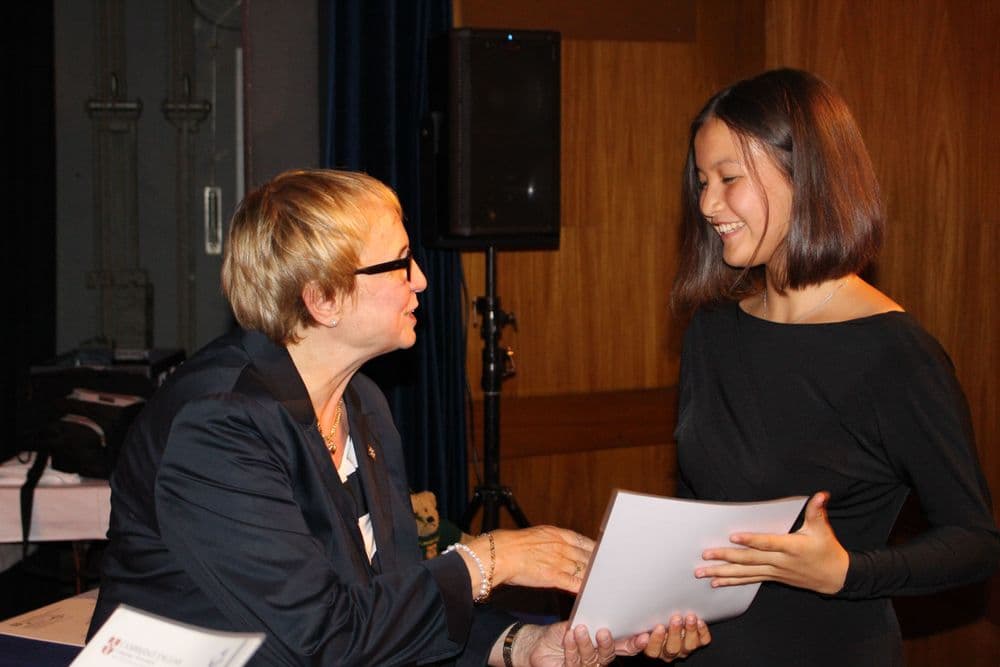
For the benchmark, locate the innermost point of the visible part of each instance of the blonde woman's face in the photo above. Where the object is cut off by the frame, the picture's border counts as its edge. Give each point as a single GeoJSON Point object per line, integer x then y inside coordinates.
{"type": "Point", "coordinates": [381, 316]}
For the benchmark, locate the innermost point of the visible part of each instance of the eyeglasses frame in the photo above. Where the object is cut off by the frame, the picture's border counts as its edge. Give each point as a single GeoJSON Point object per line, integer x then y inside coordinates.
{"type": "Point", "coordinates": [405, 262]}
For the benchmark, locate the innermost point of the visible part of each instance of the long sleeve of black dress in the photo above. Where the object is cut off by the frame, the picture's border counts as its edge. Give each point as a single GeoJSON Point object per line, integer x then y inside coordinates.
{"type": "Point", "coordinates": [925, 427]}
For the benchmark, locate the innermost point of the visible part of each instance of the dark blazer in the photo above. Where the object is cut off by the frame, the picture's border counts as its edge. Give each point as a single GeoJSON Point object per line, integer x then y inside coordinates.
{"type": "Point", "coordinates": [227, 513]}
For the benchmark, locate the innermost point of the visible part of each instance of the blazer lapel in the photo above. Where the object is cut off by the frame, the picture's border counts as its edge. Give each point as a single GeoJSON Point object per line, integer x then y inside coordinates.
{"type": "Point", "coordinates": [374, 479]}
{"type": "Point", "coordinates": [282, 379]}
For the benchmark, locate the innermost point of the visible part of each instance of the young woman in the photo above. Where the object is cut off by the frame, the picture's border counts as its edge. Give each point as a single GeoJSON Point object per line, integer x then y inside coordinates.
{"type": "Point", "coordinates": [800, 378]}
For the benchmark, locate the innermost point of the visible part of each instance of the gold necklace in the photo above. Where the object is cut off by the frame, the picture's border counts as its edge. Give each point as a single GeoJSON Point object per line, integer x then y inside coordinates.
{"type": "Point", "coordinates": [330, 438]}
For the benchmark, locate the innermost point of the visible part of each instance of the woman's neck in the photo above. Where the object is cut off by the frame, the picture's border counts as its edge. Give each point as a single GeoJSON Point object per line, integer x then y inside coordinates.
{"type": "Point", "coordinates": [815, 303]}
{"type": "Point", "coordinates": [324, 371]}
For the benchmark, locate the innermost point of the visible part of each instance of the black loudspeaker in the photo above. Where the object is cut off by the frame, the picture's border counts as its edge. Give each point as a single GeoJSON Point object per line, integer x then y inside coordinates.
{"type": "Point", "coordinates": [490, 146]}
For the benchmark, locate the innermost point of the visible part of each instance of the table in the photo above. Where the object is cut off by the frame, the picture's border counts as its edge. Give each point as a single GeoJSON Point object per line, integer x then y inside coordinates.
{"type": "Point", "coordinates": [47, 637]}
{"type": "Point", "coordinates": [63, 622]}
{"type": "Point", "coordinates": [66, 508]}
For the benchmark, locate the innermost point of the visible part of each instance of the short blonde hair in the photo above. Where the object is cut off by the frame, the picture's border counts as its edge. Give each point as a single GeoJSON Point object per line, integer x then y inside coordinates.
{"type": "Point", "coordinates": [302, 226]}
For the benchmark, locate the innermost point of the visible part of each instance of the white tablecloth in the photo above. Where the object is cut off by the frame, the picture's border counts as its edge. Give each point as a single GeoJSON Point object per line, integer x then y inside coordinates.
{"type": "Point", "coordinates": [66, 507]}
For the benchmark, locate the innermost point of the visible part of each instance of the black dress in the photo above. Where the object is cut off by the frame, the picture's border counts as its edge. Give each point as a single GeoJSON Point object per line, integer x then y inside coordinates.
{"type": "Point", "coordinates": [867, 409]}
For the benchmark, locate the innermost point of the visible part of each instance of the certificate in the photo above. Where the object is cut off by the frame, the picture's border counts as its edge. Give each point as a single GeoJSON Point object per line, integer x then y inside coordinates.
{"type": "Point", "coordinates": [642, 570]}
{"type": "Point", "coordinates": [134, 638]}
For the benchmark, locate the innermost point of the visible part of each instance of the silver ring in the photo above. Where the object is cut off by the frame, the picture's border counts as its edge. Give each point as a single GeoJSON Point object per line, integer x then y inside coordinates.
{"type": "Point", "coordinates": [683, 634]}
{"type": "Point", "coordinates": [576, 568]}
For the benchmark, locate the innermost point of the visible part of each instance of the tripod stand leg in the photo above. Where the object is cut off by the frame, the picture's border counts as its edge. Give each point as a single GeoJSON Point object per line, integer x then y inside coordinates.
{"type": "Point", "coordinates": [507, 498]}
{"type": "Point", "coordinates": [491, 498]}
{"type": "Point", "coordinates": [488, 498]}
{"type": "Point", "coordinates": [470, 511]}
{"type": "Point", "coordinates": [491, 512]}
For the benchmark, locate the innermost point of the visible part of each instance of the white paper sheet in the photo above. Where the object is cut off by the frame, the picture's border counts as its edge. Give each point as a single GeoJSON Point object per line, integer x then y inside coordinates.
{"type": "Point", "coordinates": [642, 571]}
{"type": "Point", "coordinates": [133, 637]}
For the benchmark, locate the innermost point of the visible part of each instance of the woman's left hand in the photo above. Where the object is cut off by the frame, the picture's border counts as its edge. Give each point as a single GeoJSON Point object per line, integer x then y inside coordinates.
{"type": "Point", "coordinates": [678, 639]}
{"type": "Point", "coordinates": [810, 558]}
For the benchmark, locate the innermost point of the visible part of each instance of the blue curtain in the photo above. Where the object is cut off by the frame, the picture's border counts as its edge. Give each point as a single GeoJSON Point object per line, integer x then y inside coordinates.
{"type": "Point", "coordinates": [375, 90]}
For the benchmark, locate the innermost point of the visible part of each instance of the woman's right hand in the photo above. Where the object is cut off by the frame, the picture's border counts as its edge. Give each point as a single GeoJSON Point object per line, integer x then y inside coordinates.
{"type": "Point", "coordinates": [812, 557]}
{"type": "Point", "coordinates": [537, 557]}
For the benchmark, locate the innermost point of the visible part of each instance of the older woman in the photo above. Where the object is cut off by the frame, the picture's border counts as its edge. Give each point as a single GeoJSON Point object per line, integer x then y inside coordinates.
{"type": "Point", "coordinates": [263, 487]}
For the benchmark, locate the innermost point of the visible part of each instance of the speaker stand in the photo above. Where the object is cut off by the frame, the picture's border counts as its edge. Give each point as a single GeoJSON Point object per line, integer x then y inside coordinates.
{"type": "Point", "coordinates": [491, 495]}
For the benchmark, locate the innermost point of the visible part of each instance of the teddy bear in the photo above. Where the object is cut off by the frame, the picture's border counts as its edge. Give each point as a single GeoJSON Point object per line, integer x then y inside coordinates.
{"type": "Point", "coordinates": [433, 533]}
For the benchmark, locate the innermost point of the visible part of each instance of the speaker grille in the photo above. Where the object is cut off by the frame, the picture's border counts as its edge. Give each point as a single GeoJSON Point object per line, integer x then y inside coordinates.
{"type": "Point", "coordinates": [502, 115]}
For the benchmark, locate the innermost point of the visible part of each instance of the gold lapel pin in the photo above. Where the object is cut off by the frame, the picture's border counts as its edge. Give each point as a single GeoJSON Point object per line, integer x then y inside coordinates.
{"type": "Point", "coordinates": [371, 452]}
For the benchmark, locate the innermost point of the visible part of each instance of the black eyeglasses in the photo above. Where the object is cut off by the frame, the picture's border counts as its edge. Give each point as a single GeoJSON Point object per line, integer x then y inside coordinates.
{"type": "Point", "coordinates": [404, 262]}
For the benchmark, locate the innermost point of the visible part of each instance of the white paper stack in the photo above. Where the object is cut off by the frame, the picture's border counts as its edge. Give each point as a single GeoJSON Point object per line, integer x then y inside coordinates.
{"type": "Point", "coordinates": [642, 570]}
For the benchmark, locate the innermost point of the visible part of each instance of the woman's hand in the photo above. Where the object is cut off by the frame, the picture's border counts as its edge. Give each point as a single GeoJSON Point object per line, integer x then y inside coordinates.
{"type": "Point", "coordinates": [810, 558]}
{"type": "Point", "coordinates": [557, 646]}
{"type": "Point", "coordinates": [538, 557]}
{"type": "Point", "coordinates": [678, 639]}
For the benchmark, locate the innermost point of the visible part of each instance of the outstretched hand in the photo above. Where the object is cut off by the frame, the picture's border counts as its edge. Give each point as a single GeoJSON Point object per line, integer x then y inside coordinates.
{"type": "Point", "coordinates": [558, 645]}
{"type": "Point", "coordinates": [539, 557]}
{"type": "Point", "coordinates": [679, 639]}
{"type": "Point", "coordinates": [810, 558]}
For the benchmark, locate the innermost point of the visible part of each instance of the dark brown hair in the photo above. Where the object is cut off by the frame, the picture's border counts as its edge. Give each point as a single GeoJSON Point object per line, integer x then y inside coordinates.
{"type": "Point", "coordinates": [836, 224]}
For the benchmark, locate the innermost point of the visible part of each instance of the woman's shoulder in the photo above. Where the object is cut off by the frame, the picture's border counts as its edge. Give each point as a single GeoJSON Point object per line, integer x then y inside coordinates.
{"type": "Point", "coordinates": [896, 348]}
{"type": "Point", "coordinates": [862, 300]}
{"type": "Point", "coordinates": [883, 317]}
{"type": "Point", "coordinates": [902, 333]}
{"type": "Point", "coordinates": [366, 388]}
{"type": "Point", "coordinates": [366, 394]}
{"type": "Point", "coordinates": [711, 321]}
{"type": "Point", "coordinates": [715, 312]}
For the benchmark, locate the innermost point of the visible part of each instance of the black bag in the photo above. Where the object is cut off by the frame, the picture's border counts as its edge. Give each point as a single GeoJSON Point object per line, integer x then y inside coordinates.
{"type": "Point", "coordinates": [80, 407]}
{"type": "Point", "coordinates": [85, 439]}
{"type": "Point", "coordinates": [89, 433]}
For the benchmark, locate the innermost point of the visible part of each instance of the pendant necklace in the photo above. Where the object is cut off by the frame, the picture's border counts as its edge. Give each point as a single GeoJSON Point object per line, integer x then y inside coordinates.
{"type": "Point", "coordinates": [330, 437]}
{"type": "Point", "coordinates": [811, 311]}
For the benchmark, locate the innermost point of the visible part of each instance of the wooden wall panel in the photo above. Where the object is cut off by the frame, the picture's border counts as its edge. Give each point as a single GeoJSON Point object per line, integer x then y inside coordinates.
{"type": "Point", "coordinates": [562, 456]}
{"type": "Point", "coordinates": [924, 85]}
{"type": "Point", "coordinates": [572, 490]}
{"type": "Point", "coordinates": [594, 316]}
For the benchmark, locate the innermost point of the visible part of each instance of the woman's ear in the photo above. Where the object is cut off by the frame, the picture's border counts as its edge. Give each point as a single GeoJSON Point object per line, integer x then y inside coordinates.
{"type": "Point", "coordinates": [324, 309]}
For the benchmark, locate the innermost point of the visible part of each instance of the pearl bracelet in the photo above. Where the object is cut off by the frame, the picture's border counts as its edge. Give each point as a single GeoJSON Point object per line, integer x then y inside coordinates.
{"type": "Point", "coordinates": [484, 582]}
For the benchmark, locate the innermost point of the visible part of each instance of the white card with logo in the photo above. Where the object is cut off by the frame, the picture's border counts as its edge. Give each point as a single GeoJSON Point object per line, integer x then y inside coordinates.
{"type": "Point", "coordinates": [133, 637]}
{"type": "Point", "coordinates": [642, 570]}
